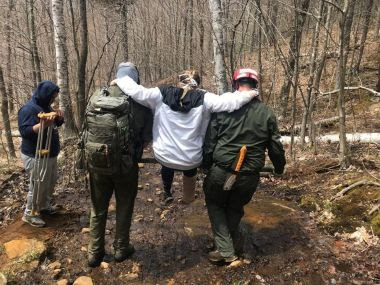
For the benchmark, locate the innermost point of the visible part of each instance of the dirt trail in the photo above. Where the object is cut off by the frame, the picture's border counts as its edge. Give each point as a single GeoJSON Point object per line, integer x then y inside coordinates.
{"type": "Point", "coordinates": [171, 242]}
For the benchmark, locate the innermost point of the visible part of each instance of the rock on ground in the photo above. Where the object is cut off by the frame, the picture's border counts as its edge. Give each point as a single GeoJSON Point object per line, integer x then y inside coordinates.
{"type": "Point", "coordinates": [83, 280]}
{"type": "Point", "coordinates": [22, 247]}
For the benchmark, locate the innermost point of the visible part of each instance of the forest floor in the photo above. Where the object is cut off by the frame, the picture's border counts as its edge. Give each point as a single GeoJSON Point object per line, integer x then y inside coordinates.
{"type": "Point", "coordinates": [293, 234]}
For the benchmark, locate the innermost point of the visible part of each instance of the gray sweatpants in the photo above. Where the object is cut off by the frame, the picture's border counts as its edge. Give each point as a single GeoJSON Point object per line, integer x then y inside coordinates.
{"type": "Point", "coordinates": [46, 186]}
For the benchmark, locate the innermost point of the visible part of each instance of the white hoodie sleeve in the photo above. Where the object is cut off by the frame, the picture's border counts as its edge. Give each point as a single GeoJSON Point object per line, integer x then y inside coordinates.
{"type": "Point", "coordinates": [228, 101]}
{"type": "Point", "coordinates": [148, 97]}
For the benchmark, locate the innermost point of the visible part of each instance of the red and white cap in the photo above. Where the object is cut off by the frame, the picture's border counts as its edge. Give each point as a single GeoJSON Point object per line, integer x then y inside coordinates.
{"type": "Point", "coordinates": [245, 73]}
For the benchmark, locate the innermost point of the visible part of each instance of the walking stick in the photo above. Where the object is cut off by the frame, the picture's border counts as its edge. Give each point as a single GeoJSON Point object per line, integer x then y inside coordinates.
{"type": "Point", "coordinates": [41, 158]}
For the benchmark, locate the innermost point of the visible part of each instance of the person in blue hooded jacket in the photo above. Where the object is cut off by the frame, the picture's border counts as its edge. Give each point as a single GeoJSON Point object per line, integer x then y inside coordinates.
{"type": "Point", "coordinates": [29, 126]}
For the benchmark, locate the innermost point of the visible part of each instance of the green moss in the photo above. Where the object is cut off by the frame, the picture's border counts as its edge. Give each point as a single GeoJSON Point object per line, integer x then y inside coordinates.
{"type": "Point", "coordinates": [375, 224]}
{"type": "Point", "coordinates": [308, 203]}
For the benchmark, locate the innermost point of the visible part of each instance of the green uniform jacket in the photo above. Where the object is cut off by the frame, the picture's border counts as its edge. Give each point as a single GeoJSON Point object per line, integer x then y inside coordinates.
{"type": "Point", "coordinates": [253, 125]}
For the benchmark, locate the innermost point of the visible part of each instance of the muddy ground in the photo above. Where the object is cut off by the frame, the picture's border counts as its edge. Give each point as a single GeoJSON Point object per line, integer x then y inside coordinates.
{"type": "Point", "coordinates": [286, 237]}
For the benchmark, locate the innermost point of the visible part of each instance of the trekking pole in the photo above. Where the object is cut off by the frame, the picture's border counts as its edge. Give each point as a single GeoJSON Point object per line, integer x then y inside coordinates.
{"type": "Point", "coordinates": [41, 159]}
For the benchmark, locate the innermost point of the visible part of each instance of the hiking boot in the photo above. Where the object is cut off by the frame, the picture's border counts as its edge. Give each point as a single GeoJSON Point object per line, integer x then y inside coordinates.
{"type": "Point", "coordinates": [51, 210]}
{"type": "Point", "coordinates": [34, 221]}
{"type": "Point", "coordinates": [94, 260]}
{"type": "Point", "coordinates": [216, 257]}
{"type": "Point", "coordinates": [123, 254]}
{"type": "Point", "coordinates": [168, 197]}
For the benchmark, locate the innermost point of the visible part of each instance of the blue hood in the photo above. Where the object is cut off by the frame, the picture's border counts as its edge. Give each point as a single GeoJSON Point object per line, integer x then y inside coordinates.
{"type": "Point", "coordinates": [44, 92]}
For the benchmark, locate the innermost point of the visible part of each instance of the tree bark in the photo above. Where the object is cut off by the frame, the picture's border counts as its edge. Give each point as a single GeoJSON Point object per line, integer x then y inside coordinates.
{"type": "Point", "coordinates": [7, 28]}
{"type": "Point", "coordinates": [312, 65]}
{"type": "Point", "coordinates": [344, 28]}
{"type": "Point", "coordinates": [348, 19]}
{"type": "Point", "coordinates": [367, 19]}
{"type": "Point", "coordinates": [295, 45]}
{"type": "Point", "coordinates": [82, 62]}
{"type": "Point", "coordinates": [62, 69]}
{"type": "Point", "coordinates": [218, 43]}
{"type": "Point", "coordinates": [124, 30]}
{"type": "Point", "coordinates": [5, 115]}
{"type": "Point", "coordinates": [33, 43]}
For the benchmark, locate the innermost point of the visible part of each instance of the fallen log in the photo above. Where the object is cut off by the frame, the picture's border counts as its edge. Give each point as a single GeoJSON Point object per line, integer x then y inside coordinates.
{"type": "Point", "coordinates": [347, 189]}
{"type": "Point", "coordinates": [375, 93]}
{"type": "Point", "coordinates": [352, 138]}
{"type": "Point", "coordinates": [321, 123]}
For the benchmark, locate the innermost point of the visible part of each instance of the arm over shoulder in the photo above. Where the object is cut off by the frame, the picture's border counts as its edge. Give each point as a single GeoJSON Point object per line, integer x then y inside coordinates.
{"type": "Point", "coordinates": [148, 97]}
{"type": "Point", "coordinates": [228, 101]}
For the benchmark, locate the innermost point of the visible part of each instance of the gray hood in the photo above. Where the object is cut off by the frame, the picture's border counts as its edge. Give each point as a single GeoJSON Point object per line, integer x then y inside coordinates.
{"type": "Point", "coordinates": [128, 69]}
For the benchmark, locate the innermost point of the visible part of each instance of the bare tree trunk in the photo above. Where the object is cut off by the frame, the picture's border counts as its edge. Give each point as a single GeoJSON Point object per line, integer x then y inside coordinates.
{"type": "Point", "coordinates": [259, 55]}
{"type": "Point", "coordinates": [83, 62]}
{"type": "Point", "coordinates": [5, 115]}
{"type": "Point", "coordinates": [201, 44]}
{"type": "Point", "coordinates": [191, 28]}
{"type": "Point", "coordinates": [312, 65]}
{"type": "Point", "coordinates": [295, 45]}
{"type": "Point", "coordinates": [218, 42]}
{"type": "Point", "coordinates": [348, 19]}
{"type": "Point", "coordinates": [363, 39]}
{"type": "Point", "coordinates": [33, 42]}
{"type": "Point", "coordinates": [343, 149]}
{"type": "Point", "coordinates": [62, 70]}
{"type": "Point", "coordinates": [124, 29]}
{"type": "Point", "coordinates": [233, 38]}
{"type": "Point", "coordinates": [377, 28]}
{"type": "Point", "coordinates": [7, 28]}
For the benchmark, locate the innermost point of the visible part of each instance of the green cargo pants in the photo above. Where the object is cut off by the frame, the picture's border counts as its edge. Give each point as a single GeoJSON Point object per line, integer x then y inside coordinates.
{"type": "Point", "coordinates": [102, 187]}
{"type": "Point", "coordinates": [226, 208]}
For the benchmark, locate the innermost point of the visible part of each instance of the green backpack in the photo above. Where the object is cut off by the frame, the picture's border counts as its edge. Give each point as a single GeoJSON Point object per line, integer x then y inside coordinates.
{"type": "Point", "coordinates": [107, 132]}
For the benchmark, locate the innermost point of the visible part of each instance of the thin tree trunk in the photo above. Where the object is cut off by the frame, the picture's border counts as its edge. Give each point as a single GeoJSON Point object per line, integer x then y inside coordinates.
{"type": "Point", "coordinates": [348, 19]}
{"type": "Point", "coordinates": [312, 65]}
{"type": "Point", "coordinates": [62, 70]}
{"type": "Point", "coordinates": [218, 42]}
{"type": "Point", "coordinates": [33, 42]}
{"type": "Point", "coordinates": [124, 29]}
{"type": "Point", "coordinates": [191, 28]}
{"type": "Point", "coordinates": [343, 149]}
{"type": "Point", "coordinates": [363, 39]}
{"type": "Point", "coordinates": [377, 28]}
{"type": "Point", "coordinates": [259, 56]}
{"type": "Point", "coordinates": [201, 44]}
{"type": "Point", "coordinates": [83, 62]}
{"type": "Point", "coordinates": [295, 45]}
{"type": "Point", "coordinates": [5, 115]}
{"type": "Point", "coordinates": [7, 28]}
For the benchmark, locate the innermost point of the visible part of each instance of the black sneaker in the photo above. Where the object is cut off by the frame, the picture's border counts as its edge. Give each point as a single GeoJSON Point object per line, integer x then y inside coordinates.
{"type": "Point", "coordinates": [168, 197]}
{"type": "Point", "coordinates": [94, 260]}
{"type": "Point", "coordinates": [215, 256]}
{"type": "Point", "coordinates": [123, 254]}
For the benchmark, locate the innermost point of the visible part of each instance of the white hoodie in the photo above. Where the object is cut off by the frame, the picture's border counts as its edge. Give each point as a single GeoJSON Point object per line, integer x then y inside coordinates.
{"type": "Point", "coordinates": [180, 124]}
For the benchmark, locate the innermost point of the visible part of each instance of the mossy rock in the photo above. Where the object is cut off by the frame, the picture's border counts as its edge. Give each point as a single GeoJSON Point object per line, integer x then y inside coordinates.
{"type": "Point", "coordinates": [375, 224]}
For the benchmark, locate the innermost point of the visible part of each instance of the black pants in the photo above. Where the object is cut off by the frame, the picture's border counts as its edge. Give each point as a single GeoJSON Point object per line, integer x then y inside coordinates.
{"type": "Point", "coordinates": [167, 175]}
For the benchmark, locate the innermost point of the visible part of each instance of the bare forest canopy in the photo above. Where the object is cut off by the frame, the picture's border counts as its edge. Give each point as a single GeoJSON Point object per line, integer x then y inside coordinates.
{"type": "Point", "coordinates": [308, 53]}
